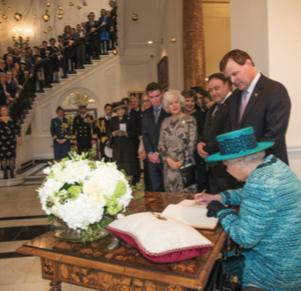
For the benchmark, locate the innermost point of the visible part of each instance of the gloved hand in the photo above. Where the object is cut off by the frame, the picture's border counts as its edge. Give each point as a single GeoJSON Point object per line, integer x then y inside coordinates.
{"type": "Point", "coordinates": [214, 207]}
{"type": "Point", "coordinates": [120, 133]}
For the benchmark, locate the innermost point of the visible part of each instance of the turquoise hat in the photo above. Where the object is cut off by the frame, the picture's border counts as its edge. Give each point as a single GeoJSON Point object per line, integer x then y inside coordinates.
{"type": "Point", "coordinates": [237, 144]}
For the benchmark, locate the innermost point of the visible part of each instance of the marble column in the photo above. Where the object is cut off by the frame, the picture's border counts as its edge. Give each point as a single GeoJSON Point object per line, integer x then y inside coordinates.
{"type": "Point", "coordinates": [193, 44]}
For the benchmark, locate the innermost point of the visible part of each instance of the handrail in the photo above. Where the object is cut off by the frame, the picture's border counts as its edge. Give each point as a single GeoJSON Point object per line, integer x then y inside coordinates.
{"type": "Point", "coordinates": [77, 41]}
{"type": "Point", "coordinates": [98, 29]}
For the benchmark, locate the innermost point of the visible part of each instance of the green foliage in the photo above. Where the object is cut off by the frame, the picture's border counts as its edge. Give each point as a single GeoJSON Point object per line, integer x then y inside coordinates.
{"type": "Point", "coordinates": [129, 212]}
{"type": "Point", "coordinates": [138, 196]}
{"type": "Point", "coordinates": [113, 206]}
{"type": "Point", "coordinates": [120, 189]}
{"type": "Point", "coordinates": [49, 202]}
{"type": "Point", "coordinates": [50, 217]}
{"type": "Point", "coordinates": [74, 191]}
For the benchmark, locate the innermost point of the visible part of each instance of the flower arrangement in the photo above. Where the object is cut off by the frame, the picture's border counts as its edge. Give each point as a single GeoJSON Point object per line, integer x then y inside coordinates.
{"type": "Point", "coordinates": [85, 194]}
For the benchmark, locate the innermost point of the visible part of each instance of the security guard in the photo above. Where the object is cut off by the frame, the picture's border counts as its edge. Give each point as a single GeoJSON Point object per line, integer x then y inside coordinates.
{"type": "Point", "coordinates": [60, 131]}
{"type": "Point", "coordinates": [83, 130]}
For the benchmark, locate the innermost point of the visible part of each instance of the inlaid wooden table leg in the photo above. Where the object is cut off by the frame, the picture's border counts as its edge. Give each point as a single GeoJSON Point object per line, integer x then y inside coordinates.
{"type": "Point", "coordinates": [55, 286]}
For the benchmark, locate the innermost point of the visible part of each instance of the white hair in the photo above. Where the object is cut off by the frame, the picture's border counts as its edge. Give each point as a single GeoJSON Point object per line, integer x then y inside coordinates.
{"type": "Point", "coordinates": [249, 159]}
{"type": "Point", "coordinates": [169, 95]}
{"type": "Point", "coordinates": [136, 99]}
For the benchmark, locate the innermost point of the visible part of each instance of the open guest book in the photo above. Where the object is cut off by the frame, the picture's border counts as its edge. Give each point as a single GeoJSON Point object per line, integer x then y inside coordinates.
{"type": "Point", "coordinates": [190, 213]}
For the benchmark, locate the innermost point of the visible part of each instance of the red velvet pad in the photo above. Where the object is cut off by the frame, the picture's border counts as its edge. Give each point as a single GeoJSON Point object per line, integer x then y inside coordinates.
{"type": "Point", "coordinates": [170, 256]}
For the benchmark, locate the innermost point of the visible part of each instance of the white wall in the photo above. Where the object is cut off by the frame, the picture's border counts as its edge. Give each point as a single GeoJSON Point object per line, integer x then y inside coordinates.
{"type": "Point", "coordinates": [268, 30]}
{"type": "Point", "coordinates": [36, 26]}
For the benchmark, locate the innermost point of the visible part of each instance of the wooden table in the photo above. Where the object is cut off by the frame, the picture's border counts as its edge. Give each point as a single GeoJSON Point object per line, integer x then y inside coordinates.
{"type": "Point", "coordinates": [123, 269]}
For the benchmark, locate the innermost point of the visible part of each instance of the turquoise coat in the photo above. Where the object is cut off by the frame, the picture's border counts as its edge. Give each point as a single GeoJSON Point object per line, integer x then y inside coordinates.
{"type": "Point", "coordinates": [268, 226]}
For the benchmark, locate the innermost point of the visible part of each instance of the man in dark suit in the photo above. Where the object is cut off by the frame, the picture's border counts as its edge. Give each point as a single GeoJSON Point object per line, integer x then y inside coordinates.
{"type": "Point", "coordinates": [137, 117]}
{"type": "Point", "coordinates": [10, 50]}
{"type": "Point", "coordinates": [9, 63]}
{"type": "Point", "coordinates": [92, 25]}
{"type": "Point", "coordinates": [2, 66]}
{"type": "Point", "coordinates": [60, 131]}
{"type": "Point", "coordinates": [151, 124]}
{"type": "Point", "coordinates": [216, 118]}
{"type": "Point", "coordinates": [258, 101]}
{"type": "Point", "coordinates": [45, 53]}
{"type": "Point", "coordinates": [28, 67]}
{"type": "Point", "coordinates": [101, 128]}
{"type": "Point", "coordinates": [83, 130]}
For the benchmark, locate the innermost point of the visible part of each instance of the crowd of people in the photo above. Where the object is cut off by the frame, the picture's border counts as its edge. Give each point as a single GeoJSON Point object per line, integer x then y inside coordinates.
{"type": "Point", "coordinates": [70, 51]}
{"type": "Point", "coordinates": [229, 144]}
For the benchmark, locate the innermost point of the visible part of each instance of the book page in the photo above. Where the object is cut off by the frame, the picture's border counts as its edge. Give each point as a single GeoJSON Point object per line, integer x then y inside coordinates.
{"type": "Point", "coordinates": [191, 203]}
{"type": "Point", "coordinates": [122, 126]}
{"type": "Point", "coordinates": [193, 216]}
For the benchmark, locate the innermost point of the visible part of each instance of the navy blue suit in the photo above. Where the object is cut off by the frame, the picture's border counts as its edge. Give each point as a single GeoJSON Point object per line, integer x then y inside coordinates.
{"type": "Point", "coordinates": [151, 134]}
{"type": "Point", "coordinates": [60, 130]}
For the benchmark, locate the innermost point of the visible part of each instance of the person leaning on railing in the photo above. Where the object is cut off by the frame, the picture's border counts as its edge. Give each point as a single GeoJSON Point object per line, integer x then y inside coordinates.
{"type": "Point", "coordinates": [68, 39]}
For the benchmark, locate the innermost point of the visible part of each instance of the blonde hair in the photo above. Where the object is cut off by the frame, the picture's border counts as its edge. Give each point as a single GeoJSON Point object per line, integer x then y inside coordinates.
{"type": "Point", "coordinates": [169, 95]}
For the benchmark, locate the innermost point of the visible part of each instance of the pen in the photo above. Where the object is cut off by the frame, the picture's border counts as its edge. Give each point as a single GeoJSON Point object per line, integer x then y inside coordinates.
{"type": "Point", "coordinates": [202, 193]}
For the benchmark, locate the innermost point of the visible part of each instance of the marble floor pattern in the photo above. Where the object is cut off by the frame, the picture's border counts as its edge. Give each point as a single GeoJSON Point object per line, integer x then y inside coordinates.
{"type": "Point", "coordinates": [21, 219]}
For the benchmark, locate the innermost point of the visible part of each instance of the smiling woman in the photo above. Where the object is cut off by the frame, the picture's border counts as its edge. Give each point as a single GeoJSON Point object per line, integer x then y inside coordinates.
{"type": "Point", "coordinates": [177, 142]}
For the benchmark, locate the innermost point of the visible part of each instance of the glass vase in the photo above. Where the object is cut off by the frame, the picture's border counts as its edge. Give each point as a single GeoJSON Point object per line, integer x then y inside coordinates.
{"type": "Point", "coordinates": [61, 230]}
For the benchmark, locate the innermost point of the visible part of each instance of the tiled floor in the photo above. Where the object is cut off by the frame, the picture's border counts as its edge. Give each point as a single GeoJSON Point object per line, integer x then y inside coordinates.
{"type": "Point", "coordinates": [21, 219]}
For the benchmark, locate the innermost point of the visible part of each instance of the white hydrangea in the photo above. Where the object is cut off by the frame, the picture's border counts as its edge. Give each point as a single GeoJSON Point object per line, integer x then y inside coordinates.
{"type": "Point", "coordinates": [86, 207]}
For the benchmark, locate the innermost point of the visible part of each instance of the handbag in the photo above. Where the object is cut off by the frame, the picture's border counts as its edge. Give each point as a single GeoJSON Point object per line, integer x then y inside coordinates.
{"type": "Point", "coordinates": [188, 172]}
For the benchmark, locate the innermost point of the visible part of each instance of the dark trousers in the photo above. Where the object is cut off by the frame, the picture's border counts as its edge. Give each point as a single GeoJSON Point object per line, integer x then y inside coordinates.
{"type": "Point", "coordinates": [94, 46]}
{"type": "Point", "coordinates": [46, 69]}
{"type": "Point", "coordinates": [201, 170]}
{"type": "Point", "coordinates": [219, 179]}
{"type": "Point", "coordinates": [156, 175]}
{"type": "Point", "coordinates": [70, 63]}
{"type": "Point", "coordinates": [83, 148]}
{"type": "Point", "coordinates": [80, 54]}
{"type": "Point", "coordinates": [61, 150]}
{"type": "Point", "coordinates": [147, 179]}
{"type": "Point", "coordinates": [137, 176]}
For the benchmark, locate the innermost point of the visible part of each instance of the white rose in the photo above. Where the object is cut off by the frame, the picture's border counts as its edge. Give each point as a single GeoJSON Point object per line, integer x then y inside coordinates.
{"type": "Point", "coordinates": [46, 171]}
{"type": "Point", "coordinates": [60, 177]}
{"type": "Point", "coordinates": [119, 216]}
{"type": "Point", "coordinates": [77, 172]}
{"type": "Point", "coordinates": [56, 167]}
{"type": "Point", "coordinates": [89, 188]}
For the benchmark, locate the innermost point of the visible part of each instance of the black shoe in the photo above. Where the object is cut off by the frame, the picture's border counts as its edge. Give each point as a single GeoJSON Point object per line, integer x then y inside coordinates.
{"type": "Point", "coordinates": [96, 58]}
{"type": "Point", "coordinates": [81, 68]}
{"type": "Point", "coordinates": [48, 86]}
{"type": "Point", "coordinates": [56, 82]}
{"type": "Point", "coordinates": [41, 91]}
{"type": "Point", "coordinates": [64, 77]}
{"type": "Point", "coordinates": [87, 62]}
{"type": "Point", "coordinates": [72, 72]}
{"type": "Point", "coordinates": [12, 175]}
{"type": "Point", "coordinates": [5, 176]}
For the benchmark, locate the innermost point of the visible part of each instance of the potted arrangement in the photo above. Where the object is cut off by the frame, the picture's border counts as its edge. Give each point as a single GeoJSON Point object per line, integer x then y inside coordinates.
{"type": "Point", "coordinates": [81, 196]}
